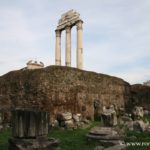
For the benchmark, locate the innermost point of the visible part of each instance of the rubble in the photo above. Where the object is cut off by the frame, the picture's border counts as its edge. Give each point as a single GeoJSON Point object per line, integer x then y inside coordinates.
{"type": "Point", "coordinates": [70, 121]}
{"type": "Point", "coordinates": [104, 134]}
{"type": "Point", "coordinates": [109, 116]}
{"type": "Point", "coordinates": [140, 125]}
{"type": "Point", "coordinates": [138, 112]}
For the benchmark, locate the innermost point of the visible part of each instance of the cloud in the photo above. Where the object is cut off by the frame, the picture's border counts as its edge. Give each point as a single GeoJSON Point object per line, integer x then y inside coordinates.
{"type": "Point", "coordinates": [116, 35]}
{"type": "Point", "coordinates": [14, 27]}
{"type": "Point", "coordinates": [134, 75]}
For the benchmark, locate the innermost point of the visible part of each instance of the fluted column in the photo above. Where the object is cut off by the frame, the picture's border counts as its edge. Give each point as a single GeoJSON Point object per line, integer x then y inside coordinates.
{"type": "Point", "coordinates": [58, 48]}
{"type": "Point", "coordinates": [68, 46]}
{"type": "Point", "coordinates": [80, 45]}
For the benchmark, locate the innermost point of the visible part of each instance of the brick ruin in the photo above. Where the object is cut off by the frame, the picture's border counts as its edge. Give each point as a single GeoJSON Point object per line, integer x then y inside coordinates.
{"type": "Point", "coordinates": [64, 89]}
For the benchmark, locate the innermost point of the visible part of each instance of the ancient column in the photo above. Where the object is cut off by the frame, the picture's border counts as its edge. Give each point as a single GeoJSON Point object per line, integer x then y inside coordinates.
{"type": "Point", "coordinates": [30, 130]}
{"type": "Point", "coordinates": [68, 46]}
{"type": "Point", "coordinates": [29, 123]}
{"type": "Point", "coordinates": [58, 48]}
{"type": "Point", "coordinates": [80, 45]}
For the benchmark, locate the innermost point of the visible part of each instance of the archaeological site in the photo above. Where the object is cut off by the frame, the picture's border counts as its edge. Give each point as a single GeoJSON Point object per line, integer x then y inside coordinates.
{"type": "Point", "coordinates": [38, 99]}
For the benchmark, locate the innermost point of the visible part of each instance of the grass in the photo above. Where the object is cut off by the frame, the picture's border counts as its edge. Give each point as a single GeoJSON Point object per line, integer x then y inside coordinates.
{"type": "Point", "coordinates": [139, 137]}
{"type": "Point", "coordinates": [76, 139]}
{"type": "Point", "coordinates": [70, 139]}
{"type": "Point", "coordinates": [4, 136]}
{"type": "Point", "coordinates": [73, 140]}
{"type": "Point", "coordinates": [147, 118]}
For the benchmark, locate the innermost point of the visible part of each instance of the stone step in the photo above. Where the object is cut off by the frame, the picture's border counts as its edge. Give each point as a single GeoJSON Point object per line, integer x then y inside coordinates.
{"type": "Point", "coordinates": [107, 137]}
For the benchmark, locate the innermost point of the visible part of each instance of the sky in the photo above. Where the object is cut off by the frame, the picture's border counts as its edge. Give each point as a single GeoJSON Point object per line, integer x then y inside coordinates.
{"type": "Point", "coordinates": [116, 35]}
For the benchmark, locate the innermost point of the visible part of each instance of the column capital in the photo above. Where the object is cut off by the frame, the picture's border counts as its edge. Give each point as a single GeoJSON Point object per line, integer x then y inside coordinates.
{"type": "Point", "coordinates": [58, 33]}
{"type": "Point", "coordinates": [79, 25]}
{"type": "Point", "coordinates": [68, 29]}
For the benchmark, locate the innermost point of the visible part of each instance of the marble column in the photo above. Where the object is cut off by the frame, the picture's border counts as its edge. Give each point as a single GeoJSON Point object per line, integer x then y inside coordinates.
{"type": "Point", "coordinates": [58, 48]}
{"type": "Point", "coordinates": [80, 45]}
{"type": "Point", "coordinates": [68, 46]}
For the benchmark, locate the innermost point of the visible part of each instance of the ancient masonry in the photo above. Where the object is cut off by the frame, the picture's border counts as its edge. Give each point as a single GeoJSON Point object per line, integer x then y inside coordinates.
{"type": "Point", "coordinates": [67, 21]}
{"type": "Point", "coordinates": [34, 65]}
{"type": "Point", "coordinates": [30, 131]}
{"type": "Point", "coordinates": [147, 83]}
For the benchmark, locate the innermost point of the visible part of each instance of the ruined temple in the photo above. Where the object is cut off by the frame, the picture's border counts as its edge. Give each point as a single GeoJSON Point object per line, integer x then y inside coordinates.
{"type": "Point", "coordinates": [66, 22]}
{"type": "Point", "coordinates": [58, 89]}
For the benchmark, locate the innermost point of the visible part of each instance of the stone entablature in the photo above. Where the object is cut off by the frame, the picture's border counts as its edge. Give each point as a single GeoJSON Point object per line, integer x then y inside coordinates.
{"type": "Point", "coordinates": [34, 65]}
{"type": "Point", "coordinates": [66, 22]}
{"type": "Point", "coordinates": [69, 18]}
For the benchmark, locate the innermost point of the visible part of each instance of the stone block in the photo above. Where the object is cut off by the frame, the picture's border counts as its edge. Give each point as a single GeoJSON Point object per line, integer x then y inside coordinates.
{"type": "Point", "coordinates": [29, 131]}
{"type": "Point", "coordinates": [139, 125]}
{"type": "Point", "coordinates": [109, 118]}
{"type": "Point", "coordinates": [41, 143]}
{"type": "Point", "coordinates": [77, 117]}
{"type": "Point", "coordinates": [64, 116]}
{"type": "Point", "coordinates": [138, 112]}
{"type": "Point", "coordinates": [69, 124]}
{"type": "Point", "coordinates": [29, 123]}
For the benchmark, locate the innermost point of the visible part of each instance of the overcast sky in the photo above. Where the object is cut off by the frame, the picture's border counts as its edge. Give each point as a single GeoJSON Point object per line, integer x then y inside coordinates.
{"type": "Point", "coordinates": [116, 35]}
